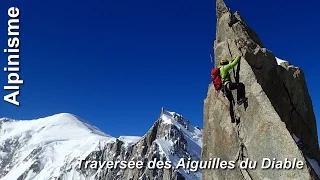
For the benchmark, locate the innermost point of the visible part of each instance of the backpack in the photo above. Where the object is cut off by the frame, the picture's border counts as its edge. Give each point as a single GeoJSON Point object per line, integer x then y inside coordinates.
{"type": "Point", "coordinates": [216, 78]}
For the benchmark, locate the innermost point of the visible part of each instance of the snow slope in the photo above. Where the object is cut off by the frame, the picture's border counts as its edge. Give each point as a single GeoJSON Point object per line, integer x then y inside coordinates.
{"type": "Point", "coordinates": [279, 61]}
{"type": "Point", "coordinates": [284, 63]}
{"type": "Point", "coordinates": [52, 141]}
{"type": "Point", "coordinates": [129, 140]}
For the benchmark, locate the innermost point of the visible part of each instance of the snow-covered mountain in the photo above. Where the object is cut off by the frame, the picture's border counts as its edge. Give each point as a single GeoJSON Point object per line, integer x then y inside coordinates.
{"type": "Point", "coordinates": [51, 148]}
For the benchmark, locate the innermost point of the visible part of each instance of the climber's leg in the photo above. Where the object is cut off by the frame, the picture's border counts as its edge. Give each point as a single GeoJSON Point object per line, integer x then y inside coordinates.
{"type": "Point", "coordinates": [240, 91]}
{"type": "Point", "coordinates": [231, 110]}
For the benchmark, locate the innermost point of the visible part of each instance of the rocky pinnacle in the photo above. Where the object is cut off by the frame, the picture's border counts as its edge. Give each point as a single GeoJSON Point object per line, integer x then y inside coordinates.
{"type": "Point", "coordinates": [221, 8]}
{"type": "Point", "coordinates": [277, 122]}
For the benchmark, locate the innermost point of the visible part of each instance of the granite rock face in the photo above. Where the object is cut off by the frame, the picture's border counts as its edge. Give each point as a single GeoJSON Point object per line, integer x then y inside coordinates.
{"type": "Point", "coordinates": [277, 121]}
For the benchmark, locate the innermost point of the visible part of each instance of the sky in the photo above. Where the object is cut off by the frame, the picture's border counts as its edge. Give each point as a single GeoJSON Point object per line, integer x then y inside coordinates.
{"type": "Point", "coordinates": [116, 63]}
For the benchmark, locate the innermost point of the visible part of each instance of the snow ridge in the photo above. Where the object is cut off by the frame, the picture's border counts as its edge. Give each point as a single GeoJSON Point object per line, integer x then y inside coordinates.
{"type": "Point", "coordinates": [279, 61]}
{"type": "Point", "coordinates": [284, 63]}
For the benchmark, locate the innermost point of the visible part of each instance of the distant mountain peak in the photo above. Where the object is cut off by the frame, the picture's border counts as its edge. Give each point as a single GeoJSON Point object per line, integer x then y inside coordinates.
{"type": "Point", "coordinates": [183, 124]}
{"type": "Point", "coordinates": [50, 148]}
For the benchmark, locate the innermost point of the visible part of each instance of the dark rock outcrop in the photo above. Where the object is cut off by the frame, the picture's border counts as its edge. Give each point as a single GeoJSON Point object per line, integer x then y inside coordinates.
{"type": "Point", "coordinates": [279, 107]}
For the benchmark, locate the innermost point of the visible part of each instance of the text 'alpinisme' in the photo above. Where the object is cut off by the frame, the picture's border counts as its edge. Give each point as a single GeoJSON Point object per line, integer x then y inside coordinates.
{"type": "Point", "coordinates": [191, 165]}
{"type": "Point", "coordinates": [13, 85]}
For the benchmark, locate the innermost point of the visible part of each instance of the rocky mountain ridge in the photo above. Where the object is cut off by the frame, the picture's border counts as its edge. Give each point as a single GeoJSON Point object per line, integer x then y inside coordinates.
{"type": "Point", "coordinates": [279, 108]}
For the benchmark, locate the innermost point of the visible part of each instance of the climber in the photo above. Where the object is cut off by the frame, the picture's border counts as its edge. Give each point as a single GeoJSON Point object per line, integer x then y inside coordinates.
{"type": "Point", "coordinates": [228, 85]}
